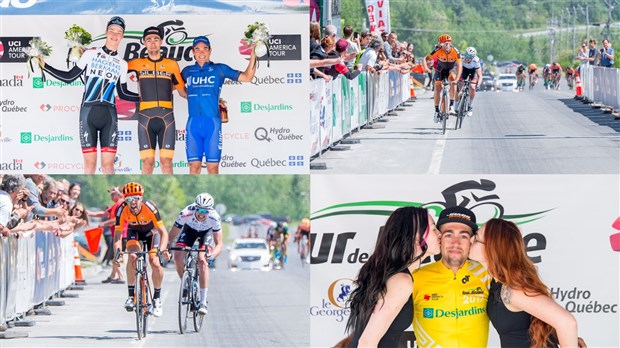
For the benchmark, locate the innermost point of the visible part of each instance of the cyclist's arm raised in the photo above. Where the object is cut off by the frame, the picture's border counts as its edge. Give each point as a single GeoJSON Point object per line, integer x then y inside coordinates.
{"type": "Point", "coordinates": [249, 72]}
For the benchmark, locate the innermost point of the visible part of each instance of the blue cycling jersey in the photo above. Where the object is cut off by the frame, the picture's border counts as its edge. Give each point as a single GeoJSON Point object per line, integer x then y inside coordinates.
{"type": "Point", "coordinates": [204, 85]}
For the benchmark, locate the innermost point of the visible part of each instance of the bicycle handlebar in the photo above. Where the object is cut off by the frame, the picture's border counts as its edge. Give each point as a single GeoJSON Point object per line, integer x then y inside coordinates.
{"type": "Point", "coordinates": [187, 249]}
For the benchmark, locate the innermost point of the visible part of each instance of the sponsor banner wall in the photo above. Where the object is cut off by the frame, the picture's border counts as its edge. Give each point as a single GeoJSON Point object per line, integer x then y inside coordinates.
{"type": "Point", "coordinates": [39, 130]}
{"type": "Point", "coordinates": [30, 7]}
{"type": "Point", "coordinates": [565, 221]}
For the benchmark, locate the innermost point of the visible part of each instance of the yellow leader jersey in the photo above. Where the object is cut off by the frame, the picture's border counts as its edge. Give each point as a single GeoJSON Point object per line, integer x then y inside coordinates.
{"type": "Point", "coordinates": [451, 311]}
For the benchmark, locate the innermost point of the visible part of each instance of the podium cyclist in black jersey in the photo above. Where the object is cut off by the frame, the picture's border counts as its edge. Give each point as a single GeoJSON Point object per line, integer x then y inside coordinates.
{"type": "Point", "coordinates": [198, 221]}
{"type": "Point", "coordinates": [104, 71]}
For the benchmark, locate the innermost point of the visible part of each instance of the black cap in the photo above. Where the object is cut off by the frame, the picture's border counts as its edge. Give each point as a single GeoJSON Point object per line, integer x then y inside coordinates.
{"type": "Point", "coordinates": [460, 215]}
{"type": "Point", "coordinates": [153, 30]}
{"type": "Point", "coordinates": [116, 20]}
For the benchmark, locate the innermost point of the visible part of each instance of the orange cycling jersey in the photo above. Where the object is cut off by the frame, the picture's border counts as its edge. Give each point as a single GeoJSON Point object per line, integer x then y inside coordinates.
{"type": "Point", "coordinates": [533, 67]}
{"type": "Point", "coordinates": [147, 219]}
{"type": "Point", "coordinates": [156, 80]}
{"type": "Point", "coordinates": [445, 60]}
{"type": "Point", "coordinates": [556, 67]}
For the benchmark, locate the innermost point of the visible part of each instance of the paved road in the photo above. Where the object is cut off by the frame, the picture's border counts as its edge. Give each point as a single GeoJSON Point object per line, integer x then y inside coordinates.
{"type": "Point", "coordinates": [509, 133]}
{"type": "Point", "coordinates": [246, 308]}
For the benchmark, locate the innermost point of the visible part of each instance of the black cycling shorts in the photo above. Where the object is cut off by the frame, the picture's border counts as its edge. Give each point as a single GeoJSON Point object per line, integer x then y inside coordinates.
{"type": "Point", "coordinates": [98, 124]}
{"type": "Point", "coordinates": [441, 74]}
{"type": "Point", "coordinates": [150, 241]}
{"type": "Point", "coordinates": [471, 73]}
{"type": "Point", "coordinates": [189, 235]}
{"type": "Point", "coordinates": [156, 128]}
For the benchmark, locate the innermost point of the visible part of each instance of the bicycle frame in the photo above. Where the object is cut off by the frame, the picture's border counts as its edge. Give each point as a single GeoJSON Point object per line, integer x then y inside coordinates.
{"type": "Point", "coordinates": [464, 100]}
{"type": "Point", "coordinates": [188, 292]}
{"type": "Point", "coordinates": [143, 296]}
{"type": "Point", "coordinates": [444, 105]}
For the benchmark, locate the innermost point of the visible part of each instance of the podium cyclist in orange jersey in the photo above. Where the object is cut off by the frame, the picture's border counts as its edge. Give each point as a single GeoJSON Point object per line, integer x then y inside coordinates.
{"type": "Point", "coordinates": [103, 72]}
{"type": "Point", "coordinates": [204, 81]}
{"type": "Point", "coordinates": [143, 224]}
{"type": "Point", "coordinates": [447, 58]}
{"type": "Point", "coordinates": [157, 77]}
{"type": "Point", "coordinates": [198, 221]}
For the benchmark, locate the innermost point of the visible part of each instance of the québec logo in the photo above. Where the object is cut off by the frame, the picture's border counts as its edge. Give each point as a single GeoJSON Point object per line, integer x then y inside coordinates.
{"type": "Point", "coordinates": [17, 3]}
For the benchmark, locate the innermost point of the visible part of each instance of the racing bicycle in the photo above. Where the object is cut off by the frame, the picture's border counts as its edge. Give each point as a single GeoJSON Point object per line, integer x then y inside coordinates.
{"type": "Point", "coordinates": [463, 103]}
{"type": "Point", "coordinates": [303, 249]}
{"type": "Point", "coordinates": [533, 80]}
{"type": "Point", "coordinates": [444, 106]}
{"type": "Point", "coordinates": [189, 301]}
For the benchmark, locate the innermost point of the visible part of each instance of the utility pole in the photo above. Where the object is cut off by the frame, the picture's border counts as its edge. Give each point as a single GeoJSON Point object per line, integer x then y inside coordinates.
{"type": "Point", "coordinates": [610, 7]}
{"type": "Point", "coordinates": [560, 30]}
{"type": "Point", "coordinates": [551, 26]}
{"type": "Point", "coordinates": [574, 17]}
{"type": "Point", "coordinates": [587, 13]}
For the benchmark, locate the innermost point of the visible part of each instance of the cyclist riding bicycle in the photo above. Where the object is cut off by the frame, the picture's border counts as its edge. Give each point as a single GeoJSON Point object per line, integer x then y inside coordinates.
{"type": "Point", "coordinates": [198, 221]}
{"type": "Point", "coordinates": [532, 70]}
{"type": "Point", "coordinates": [547, 75]}
{"type": "Point", "coordinates": [520, 74]}
{"type": "Point", "coordinates": [556, 74]}
{"type": "Point", "coordinates": [447, 58]}
{"type": "Point", "coordinates": [303, 230]}
{"type": "Point", "coordinates": [472, 69]}
{"type": "Point", "coordinates": [144, 224]}
{"type": "Point", "coordinates": [570, 76]}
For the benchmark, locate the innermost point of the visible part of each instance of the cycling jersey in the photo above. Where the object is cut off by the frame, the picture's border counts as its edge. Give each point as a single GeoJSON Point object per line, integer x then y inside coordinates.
{"type": "Point", "coordinates": [445, 61]}
{"type": "Point", "coordinates": [192, 228]}
{"type": "Point", "coordinates": [556, 68]}
{"type": "Point", "coordinates": [449, 309]}
{"type": "Point", "coordinates": [156, 80]}
{"type": "Point", "coordinates": [473, 64]}
{"type": "Point", "coordinates": [139, 226]}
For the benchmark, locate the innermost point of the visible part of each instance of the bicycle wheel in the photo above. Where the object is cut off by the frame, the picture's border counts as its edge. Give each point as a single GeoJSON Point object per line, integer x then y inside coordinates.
{"type": "Point", "coordinates": [140, 303]}
{"type": "Point", "coordinates": [198, 319]}
{"type": "Point", "coordinates": [445, 112]}
{"type": "Point", "coordinates": [462, 108]}
{"type": "Point", "coordinates": [184, 302]}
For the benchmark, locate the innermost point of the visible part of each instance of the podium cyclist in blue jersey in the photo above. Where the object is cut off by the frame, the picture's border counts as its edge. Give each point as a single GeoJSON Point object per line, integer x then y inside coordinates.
{"type": "Point", "coordinates": [204, 81]}
{"type": "Point", "coordinates": [104, 71]}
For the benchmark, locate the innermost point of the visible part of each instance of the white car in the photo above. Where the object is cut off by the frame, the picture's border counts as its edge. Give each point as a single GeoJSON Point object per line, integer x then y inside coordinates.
{"type": "Point", "coordinates": [506, 82]}
{"type": "Point", "coordinates": [249, 253]}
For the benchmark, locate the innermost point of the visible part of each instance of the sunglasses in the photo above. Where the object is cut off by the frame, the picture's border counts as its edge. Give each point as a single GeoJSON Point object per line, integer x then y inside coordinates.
{"type": "Point", "coordinates": [467, 56]}
{"type": "Point", "coordinates": [202, 210]}
{"type": "Point", "coordinates": [132, 198]}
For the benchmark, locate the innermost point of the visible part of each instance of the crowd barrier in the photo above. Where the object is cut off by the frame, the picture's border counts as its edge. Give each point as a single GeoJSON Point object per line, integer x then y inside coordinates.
{"type": "Point", "coordinates": [600, 85]}
{"type": "Point", "coordinates": [342, 106]}
{"type": "Point", "coordinates": [32, 269]}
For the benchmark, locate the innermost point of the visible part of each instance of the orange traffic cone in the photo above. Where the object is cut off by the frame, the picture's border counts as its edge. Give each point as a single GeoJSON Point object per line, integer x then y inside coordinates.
{"type": "Point", "coordinates": [79, 279]}
{"type": "Point", "coordinates": [578, 86]}
{"type": "Point", "coordinates": [411, 89]}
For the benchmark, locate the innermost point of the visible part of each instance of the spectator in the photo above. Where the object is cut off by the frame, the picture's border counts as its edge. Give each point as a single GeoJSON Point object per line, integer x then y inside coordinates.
{"type": "Point", "coordinates": [331, 31]}
{"type": "Point", "coordinates": [607, 55]}
{"type": "Point", "coordinates": [49, 198]}
{"type": "Point", "coordinates": [388, 47]}
{"type": "Point", "coordinates": [315, 36]}
{"type": "Point", "coordinates": [74, 192]}
{"type": "Point", "coordinates": [12, 193]}
{"type": "Point", "coordinates": [384, 36]}
{"type": "Point", "coordinates": [340, 68]}
{"type": "Point", "coordinates": [353, 47]}
{"type": "Point", "coordinates": [368, 61]}
{"type": "Point", "coordinates": [34, 183]}
{"type": "Point", "coordinates": [593, 53]}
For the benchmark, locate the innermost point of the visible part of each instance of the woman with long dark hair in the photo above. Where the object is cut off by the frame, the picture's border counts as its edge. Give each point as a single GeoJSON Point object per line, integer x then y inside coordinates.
{"type": "Point", "coordinates": [381, 305]}
{"type": "Point", "coordinates": [520, 305]}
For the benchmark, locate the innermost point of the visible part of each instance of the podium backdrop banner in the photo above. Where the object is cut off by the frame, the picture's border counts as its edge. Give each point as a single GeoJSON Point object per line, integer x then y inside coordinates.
{"type": "Point", "coordinates": [565, 221]}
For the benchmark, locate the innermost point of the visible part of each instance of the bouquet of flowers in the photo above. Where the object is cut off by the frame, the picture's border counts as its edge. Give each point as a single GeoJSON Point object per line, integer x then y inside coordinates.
{"type": "Point", "coordinates": [258, 33]}
{"type": "Point", "coordinates": [37, 48]}
{"type": "Point", "coordinates": [78, 38]}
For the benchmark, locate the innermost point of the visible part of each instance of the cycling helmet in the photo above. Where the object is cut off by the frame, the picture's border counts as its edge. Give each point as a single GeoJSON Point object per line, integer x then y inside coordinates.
{"type": "Point", "coordinates": [471, 51]}
{"type": "Point", "coordinates": [133, 189]}
{"type": "Point", "coordinates": [444, 38]}
{"type": "Point", "coordinates": [204, 200]}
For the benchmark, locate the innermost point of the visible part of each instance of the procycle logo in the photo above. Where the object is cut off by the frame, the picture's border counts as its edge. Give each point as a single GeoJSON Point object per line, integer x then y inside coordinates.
{"type": "Point", "coordinates": [38, 83]}
{"type": "Point", "coordinates": [269, 162]}
{"type": "Point", "coordinates": [51, 166]}
{"type": "Point", "coordinates": [273, 133]}
{"type": "Point", "coordinates": [17, 3]}
{"type": "Point", "coordinates": [281, 47]}
{"type": "Point", "coordinates": [9, 105]}
{"type": "Point", "coordinates": [176, 44]}
{"type": "Point", "coordinates": [15, 164]}
{"type": "Point", "coordinates": [336, 303]}
{"type": "Point", "coordinates": [236, 136]}
{"type": "Point", "coordinates": [59, 108]}
{"type": "Point", "coordinates": [15, 81]}
{"type": "Point", "coordinates": [475, 195]}
{"type": "Point", "coordinates": [431, 313]}
{"type": "Point", "coordinates": [577, 300]}
{"type": "Point", "coordinates": [13, 49]}
{"type": "Point", "coordinates": [248, 107]}
{"type": "Point", "coordinates": [29, 138]}
{"type": "Point", "coordinates": [229, 161]}
{"type": "Point", "coordinates": [287, 78]}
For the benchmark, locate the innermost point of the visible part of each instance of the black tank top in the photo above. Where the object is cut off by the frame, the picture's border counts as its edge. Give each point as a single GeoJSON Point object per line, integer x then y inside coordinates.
{"type": "Point", "coordinates": [401, 323]}
{"type": "Point", "coordinates": [512, 327]}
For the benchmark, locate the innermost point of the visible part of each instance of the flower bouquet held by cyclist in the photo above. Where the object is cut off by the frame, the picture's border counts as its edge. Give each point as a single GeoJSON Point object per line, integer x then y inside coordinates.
{"type": "Point", "coordinates": [204, 81]}
{"type": "Point", "coordinates": [448, 68]}
{"type": "Point", "coordinates": [144, 225]}
{"type": "Point", "coordinates": [198, 222]}
{"type": "Point", "coordinates": [98, 122]}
